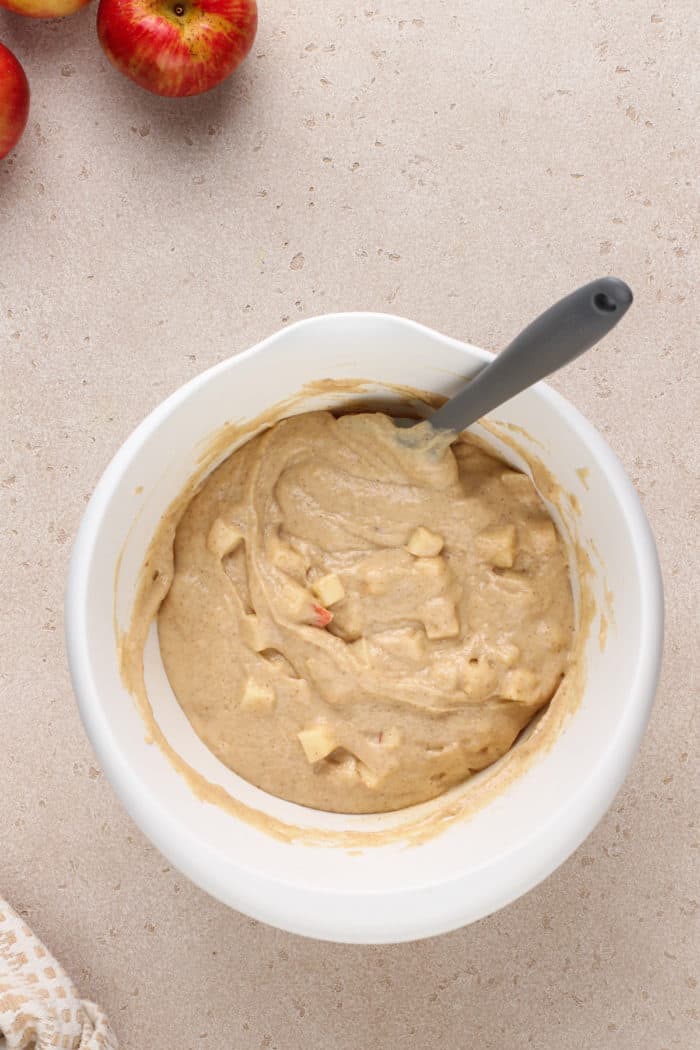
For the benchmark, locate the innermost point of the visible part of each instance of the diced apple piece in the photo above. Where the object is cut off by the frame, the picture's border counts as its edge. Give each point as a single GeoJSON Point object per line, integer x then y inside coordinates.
{"type": "Point", "coordinates": [317, 742]}
{"type": "Point", "coordinates": [478, 679]}
{"type": "Point", "coordinates": [223, 538]}
{"type": "Point", "coordinates": [541, 535]}
{"type": "Point", "coordinates": [423, 543]}
{"type": "Point", "coordinates": [329, 589]}
{"type": "Point", "coordinates": [321, 617]}
{"type": "Point", "coordinates": [498, 545]}
{"type": "Point", "coordinates": [440, 619]}
{"type": "Point", "coordinates": [298, 604]}
{"type": "Point", "coordinates": [349, 619]}
{"type": "Point", "coordinates": [253, 632]}
{"type": "Point", "coordinates": [405, 643]}
{"type": "Point", "coordinates": [521, 685]}
{"type": "Point", "coordinates": [344, 764]}
{"type": "Point", "coordinates": [368, 777]}
{"type": "Point", "coordinates": [258, 697]}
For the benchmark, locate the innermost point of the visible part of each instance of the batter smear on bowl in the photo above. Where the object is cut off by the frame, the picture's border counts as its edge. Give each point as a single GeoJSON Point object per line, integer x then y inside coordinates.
{"type": "Point", "coordinates": [355, 624]}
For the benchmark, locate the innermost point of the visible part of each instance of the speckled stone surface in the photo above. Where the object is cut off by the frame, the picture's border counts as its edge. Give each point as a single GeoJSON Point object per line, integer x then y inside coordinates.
{"type": "Point", "coordinates": [464, 164]}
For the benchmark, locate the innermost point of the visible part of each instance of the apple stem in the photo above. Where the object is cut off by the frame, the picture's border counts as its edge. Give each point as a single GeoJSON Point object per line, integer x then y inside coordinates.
{"type": "Point", "coordinates": [179, 10]}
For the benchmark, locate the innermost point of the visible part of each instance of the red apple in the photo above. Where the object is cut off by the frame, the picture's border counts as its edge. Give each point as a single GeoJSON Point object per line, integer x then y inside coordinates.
{"type": "Point", "coordinates": [177, 47]}
{"type": "Point", "coordinates": [14, 101]}
{"type": "Point", "coordinates": [44, 8]}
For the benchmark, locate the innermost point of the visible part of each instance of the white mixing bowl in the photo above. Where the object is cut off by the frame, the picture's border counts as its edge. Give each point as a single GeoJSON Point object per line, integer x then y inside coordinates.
{"type": "Point", "coordinates": [394, 891]}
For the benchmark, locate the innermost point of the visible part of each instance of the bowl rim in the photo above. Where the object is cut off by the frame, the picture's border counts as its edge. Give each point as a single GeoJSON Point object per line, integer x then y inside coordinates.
{"type": "Point", "coordinates": [415, 912]}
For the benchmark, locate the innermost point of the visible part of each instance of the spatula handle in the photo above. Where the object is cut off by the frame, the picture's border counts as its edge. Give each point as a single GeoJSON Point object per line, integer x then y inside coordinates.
{"type": "Point", "coordinates": [558, 336]}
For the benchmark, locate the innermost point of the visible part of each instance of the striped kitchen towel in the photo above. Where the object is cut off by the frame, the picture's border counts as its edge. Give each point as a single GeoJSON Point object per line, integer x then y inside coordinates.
{"type": "Point", "coordinates": [39, 1004]}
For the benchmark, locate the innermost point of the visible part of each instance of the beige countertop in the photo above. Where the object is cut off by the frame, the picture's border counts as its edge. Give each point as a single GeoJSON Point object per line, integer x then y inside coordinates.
{"type": "Point", "coordinates": [461, 163]}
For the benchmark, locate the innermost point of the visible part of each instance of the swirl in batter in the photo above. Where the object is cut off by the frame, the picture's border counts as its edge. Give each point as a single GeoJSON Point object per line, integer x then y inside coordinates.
{"type": "Point", "coordinates": [356, 623]}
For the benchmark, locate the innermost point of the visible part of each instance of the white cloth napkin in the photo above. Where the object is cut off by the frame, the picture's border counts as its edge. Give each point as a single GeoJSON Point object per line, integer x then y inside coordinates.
{"type": "Point", "coordinates": [39, 1005]}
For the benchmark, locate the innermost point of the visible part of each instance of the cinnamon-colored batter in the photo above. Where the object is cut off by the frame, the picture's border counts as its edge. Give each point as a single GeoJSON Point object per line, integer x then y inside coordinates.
{"type": "Point", "coordinates": [361, 617]}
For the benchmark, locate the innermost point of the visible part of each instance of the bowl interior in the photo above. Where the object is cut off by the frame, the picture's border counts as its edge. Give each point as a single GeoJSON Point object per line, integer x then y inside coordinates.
{"type": "Point", "coordinates": [382, 892]}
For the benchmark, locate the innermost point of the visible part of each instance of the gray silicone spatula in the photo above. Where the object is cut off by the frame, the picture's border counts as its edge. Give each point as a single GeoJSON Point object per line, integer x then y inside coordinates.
{"type": "Point", "coordinates": [558, 336]}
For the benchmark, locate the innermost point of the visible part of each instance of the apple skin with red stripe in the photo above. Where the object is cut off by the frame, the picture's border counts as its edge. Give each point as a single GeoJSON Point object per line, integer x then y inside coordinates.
{"type": "Point", "coordinates": [177, 47]}
{"type": "Point", "coordinates": [14, 101]}
{"type": "Point", "coordinates": [44, 8]}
